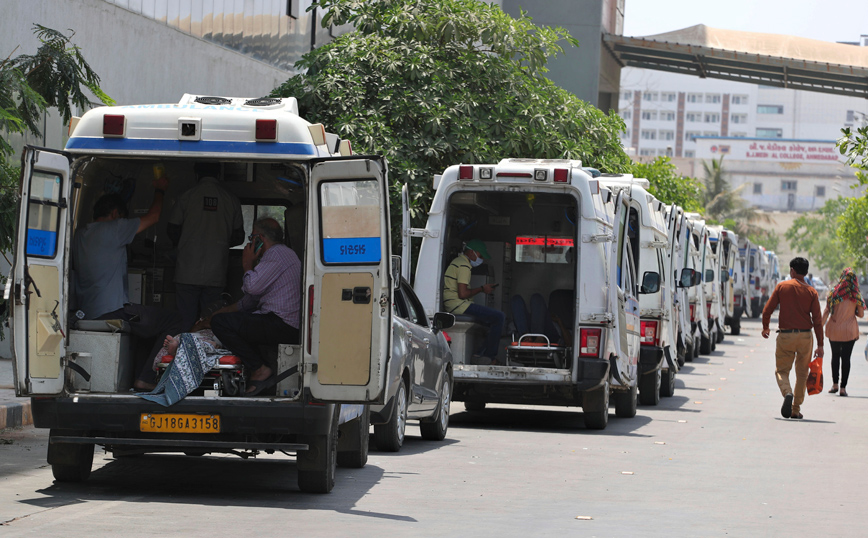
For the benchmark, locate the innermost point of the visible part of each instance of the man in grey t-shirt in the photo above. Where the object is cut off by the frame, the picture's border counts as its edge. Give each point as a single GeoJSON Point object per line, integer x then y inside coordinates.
{"type": "Point", "coordinates": [99, 256]}
{"type": "Point", "coordinates": [204, 223]}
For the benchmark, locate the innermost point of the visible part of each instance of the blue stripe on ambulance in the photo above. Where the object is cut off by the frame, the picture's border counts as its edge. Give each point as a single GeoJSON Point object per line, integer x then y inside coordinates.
{"type": "Point", "coordinates": [197, 146]}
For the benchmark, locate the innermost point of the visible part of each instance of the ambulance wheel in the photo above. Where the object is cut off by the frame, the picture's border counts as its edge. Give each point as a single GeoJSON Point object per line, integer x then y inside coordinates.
{"type": "Point", "coordinates": [69, 462]}
{"type": "Point", "coordinates": [667, 383]}
{"type": "Point", "coordinates": [316, 466]}
{"type": "Point", "coordinates": [681, 356]}
{"type": "Point", "coordinates": [695, 349]}
{"type": "Point", "coordinates": [705, 345]}
{"type": "Point", "coordinates": [719, 332]}
{"type": "Point", "coordinates": [688, 354]}
{"type": "Point", "coordinates": [435, 429]}
{"type": "Point", "coordinates": [474, 406]}
{"type": "Point", "coordinates": [357, 434]}
{"type": "Point", "coordinates": [595, 407]}
{"type": "Point", "coordinates": [735, 327]}
{"type": "Point", "coordinates": [649, 387]}
{"type": "Point", "coordinates": [626, 403]}
{"type": "Point", "coordinates": [390, 436]}
{"type": "Point", "coordinates": [714, 342]}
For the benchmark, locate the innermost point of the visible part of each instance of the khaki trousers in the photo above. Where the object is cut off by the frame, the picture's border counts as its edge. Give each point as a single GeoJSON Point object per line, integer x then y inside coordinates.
{"type": "Point", "coordinates": [793, 348]}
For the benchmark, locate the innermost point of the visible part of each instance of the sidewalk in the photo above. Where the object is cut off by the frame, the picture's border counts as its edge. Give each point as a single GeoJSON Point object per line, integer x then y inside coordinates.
{"type": "Point", "coordinates": [14, 411]}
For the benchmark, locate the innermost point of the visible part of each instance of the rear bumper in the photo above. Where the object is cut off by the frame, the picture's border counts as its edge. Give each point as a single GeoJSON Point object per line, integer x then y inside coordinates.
{"type": "Point", "coordinates": [650, 359]}
{"type": "Point", "coordinates": [241, 419]}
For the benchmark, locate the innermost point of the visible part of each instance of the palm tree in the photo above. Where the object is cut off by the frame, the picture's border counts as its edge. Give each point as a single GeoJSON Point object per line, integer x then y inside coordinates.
{"type": "Point", "coordinates": [723, 202]}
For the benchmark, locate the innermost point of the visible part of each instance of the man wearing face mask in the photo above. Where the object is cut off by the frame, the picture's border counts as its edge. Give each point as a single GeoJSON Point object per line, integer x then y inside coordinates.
{"type": "Point", "coordinates": [457, 293]}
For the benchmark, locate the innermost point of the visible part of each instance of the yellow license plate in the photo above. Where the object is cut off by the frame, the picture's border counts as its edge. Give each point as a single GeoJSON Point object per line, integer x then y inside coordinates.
{"type": "Point", "coordinates": [179, 423]}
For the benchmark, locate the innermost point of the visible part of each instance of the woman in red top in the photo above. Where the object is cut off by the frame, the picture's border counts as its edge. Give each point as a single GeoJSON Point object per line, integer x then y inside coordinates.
{"type": "Point", "coordinates": [843, 306]}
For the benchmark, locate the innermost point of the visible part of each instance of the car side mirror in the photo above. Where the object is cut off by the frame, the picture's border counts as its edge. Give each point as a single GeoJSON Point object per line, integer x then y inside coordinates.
{"type": "Point", "coordinates": [395, 271]}
{"type": "Point", "coordinates": [650, 282]}
{"type": "Point", "coordinates": [709, 275]}
{"type": "Point", "coordinates": [687, 277]}
{"type": "Point", "coordinates": [724, 277]}
{"type": "Point", "coordinates": [697, 278]}
{"type": "Point", "coordinates": [443, 320]}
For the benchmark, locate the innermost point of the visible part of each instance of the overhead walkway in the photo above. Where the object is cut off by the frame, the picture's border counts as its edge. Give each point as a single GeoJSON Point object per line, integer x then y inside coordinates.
{"type": "Point", "coordinates": [770, 59]}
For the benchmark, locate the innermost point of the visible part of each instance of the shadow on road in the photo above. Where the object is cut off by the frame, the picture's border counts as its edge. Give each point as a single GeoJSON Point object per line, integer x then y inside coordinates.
{"type": "Point", "coordinates": [545, 420]}
{"type": "Point", "coordinates": [415, 445]}
{"type": "Point", "coordinates": [215, 481]}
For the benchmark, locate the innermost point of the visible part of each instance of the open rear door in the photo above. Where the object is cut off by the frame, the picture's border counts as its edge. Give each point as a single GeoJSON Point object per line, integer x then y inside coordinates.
{"type": "Point", "coordinates": [405, 233]}
{"type": "Point", "coordinates": [38, 289]}
{"type": "Point", "coordinates": [349, 293]}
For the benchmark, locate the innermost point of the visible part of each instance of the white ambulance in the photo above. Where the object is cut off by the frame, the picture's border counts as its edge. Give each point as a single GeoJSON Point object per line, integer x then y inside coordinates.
{"type": "Point", "coordinates": [703, 334]}
{"type": "Point", "coordinates": [556, 239]}
{"type": "Point", "coordinates": [681, 266]}
{"type": "Point", "coordinates": [335, 214]}
{"type": "Point", "coordinates": [657, 361]}
{"type": "Point", "coordinates": [727, 250]}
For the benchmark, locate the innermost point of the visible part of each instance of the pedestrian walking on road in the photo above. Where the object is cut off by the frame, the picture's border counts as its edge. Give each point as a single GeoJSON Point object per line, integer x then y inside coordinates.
{"type": "Point", "coordinates": [800, 313]}
{"type": "Point", "coordinates": [843, 306]}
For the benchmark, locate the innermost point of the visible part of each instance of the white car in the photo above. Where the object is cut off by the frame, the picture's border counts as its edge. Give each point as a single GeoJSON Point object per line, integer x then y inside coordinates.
{"type": "Point", "coordinates": [820, 286]}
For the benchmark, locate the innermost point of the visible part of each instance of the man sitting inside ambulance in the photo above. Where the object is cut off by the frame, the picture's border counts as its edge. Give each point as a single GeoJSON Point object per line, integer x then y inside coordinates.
{"type": "Point", "coordinates": [99, 257]}
{"type": "Point", "coordinates": [456, 299]}
{"type": "Point", "coordinates": [269, 311]}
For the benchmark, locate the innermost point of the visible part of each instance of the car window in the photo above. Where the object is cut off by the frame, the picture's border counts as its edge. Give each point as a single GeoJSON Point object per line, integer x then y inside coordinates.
{"type": "Point", "coordinates": [415, 312]}
{"type": "Point", "coordinates": [399, 306]}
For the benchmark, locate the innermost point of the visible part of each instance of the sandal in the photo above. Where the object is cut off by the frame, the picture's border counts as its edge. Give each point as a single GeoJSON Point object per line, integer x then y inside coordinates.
{"type": "Point", "coordinates": [843, 392]}
{"type": "Point", "coordinates": [834, 389]}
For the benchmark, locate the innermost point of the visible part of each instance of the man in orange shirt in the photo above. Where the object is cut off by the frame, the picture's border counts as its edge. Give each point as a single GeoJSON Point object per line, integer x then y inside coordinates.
{"type": "Point", "coordinates": [800, 313]}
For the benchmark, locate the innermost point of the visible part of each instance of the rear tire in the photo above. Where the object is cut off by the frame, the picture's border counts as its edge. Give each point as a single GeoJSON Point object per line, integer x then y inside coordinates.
{"type": "Point", "coordinates": [735, 327]}
{"type": "Point", "coordinates": [626, 403]}
{"type": "Point", "coordinates": [720, 334]}
{"type": "Point", "coordinates": [69, 462]}
{"type": "Point", "coordinates": [435, 430]}
{"type": "Point", "coordinates": [389, 437]}
{"type": "Point", "coordinates": [649, 387]}
{"type": "Point", "coordinates": [357, 429]}
{"type": "Point", "coordinates": [688, 354]}
{"type": "Point", "coordinates": [667, 383]}
{"type": "Point", "coordinates": [321, 461]}
{"type": "Point", "coordinates": [595, 407]}
{"type": "Point", "coordinates": [705, 345]}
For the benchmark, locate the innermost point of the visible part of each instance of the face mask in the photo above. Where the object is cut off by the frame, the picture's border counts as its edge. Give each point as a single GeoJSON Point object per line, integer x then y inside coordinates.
{"type": "Point", "coordinates": [477, 262]}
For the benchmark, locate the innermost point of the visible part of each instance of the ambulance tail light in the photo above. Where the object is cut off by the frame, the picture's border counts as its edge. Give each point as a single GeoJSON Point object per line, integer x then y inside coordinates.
{"type": "Point", "coordinates": [465, 172]}
{"type": "Point", "coordinates": [114, 125]}
{"type": "Point", "coordinates": [266, 130]}
{"type": "Point", "coordinates": [648, 335]}
{"type": "Point", "coordinates": [693, 312]}
{"type": "Point", "coordinates": [589, 342]}
{"type": "Point", "coordinates": [309, 318]}
{"type": "Point", "coordinates": [561, 175]}
{"type": "Point", "coordinates": [756, 284]}
{"type": "Point", "coordinates": [736, 299]}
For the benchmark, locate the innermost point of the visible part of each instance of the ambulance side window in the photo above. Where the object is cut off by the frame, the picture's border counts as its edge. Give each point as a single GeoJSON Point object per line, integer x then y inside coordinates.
{"type": "Point", "coordinates": [43, 214]}
{"type": "Point", "coordinates": [253, 212]}
{"type": "Point", "coordinates": [350, 224]}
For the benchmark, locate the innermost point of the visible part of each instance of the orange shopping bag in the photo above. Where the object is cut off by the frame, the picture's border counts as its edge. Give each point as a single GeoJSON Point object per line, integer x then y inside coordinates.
{"type": "Point", "coordinates": [815, 376]}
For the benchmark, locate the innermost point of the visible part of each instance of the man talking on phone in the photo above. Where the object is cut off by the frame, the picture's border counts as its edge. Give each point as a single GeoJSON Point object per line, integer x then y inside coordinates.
{"type": "Point", "coordinates": [269, 311]}
{"type": "Point", "coordinates": [457, 293]}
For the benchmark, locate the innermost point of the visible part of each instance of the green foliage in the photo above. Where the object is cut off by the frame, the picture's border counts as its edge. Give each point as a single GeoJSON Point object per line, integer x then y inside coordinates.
{"type": "Point", "coordinates": [668, 186]}
{"type": "Point", "coordinates": [853, 221]}
{"type": "Point", "coordinates": [816, 235]}
{"type": "Point", "coordinates": [432, 83]}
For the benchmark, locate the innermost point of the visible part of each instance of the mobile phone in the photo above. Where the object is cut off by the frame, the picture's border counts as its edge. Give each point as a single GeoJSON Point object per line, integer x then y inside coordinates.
{"type": "Point", "coordinates": [159, 171]}
{"type": "Point", "coordinates": [257, 245]}
{"type": "Point", "coordinates": [495, 285]}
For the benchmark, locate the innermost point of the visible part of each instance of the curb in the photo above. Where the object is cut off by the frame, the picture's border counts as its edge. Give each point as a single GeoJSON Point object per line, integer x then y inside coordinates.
{"type": "Point", "coordinates": [16, 414]}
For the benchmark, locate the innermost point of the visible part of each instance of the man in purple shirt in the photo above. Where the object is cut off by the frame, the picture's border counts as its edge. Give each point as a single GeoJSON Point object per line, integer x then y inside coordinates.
{"type": "Point", "coordinates": [269, 311]}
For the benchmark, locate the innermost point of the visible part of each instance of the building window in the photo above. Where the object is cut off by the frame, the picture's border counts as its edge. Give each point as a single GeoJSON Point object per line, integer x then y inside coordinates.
{"type": "Point", "coordinates": [647, 152]}
{"type": "Point", "coordinates": [739, 99]}
{"type": "Point", "coordinates": [626, 134]}
{"type": "Point", "coordinates": [689, 153]}
{"type": "Point", "coordinates": [788, 185]}
{"type": "Point", "coordinates": [712, 117]}
{"type": "Point", "coordinates": [738, 135]}
{"type": "Point", "coordinates": [626, 114]}
{"type": "Point", "coordinates": [764, 132]}
{"type": "Point", "coordinates": [691, 135]}
{"type": "Point", "coordinates": [668, 97]}
{"type": "Point", "coordinates": [820, 191]}
{"type": "Point", "coordinates": [738, 118]}
{"type": "Point", "coordinates": [648, 134]}
{"type": "Point", "coordinates": [649, 115]}
{"type": "Point", "coordinates": [627, 94]}
{"type": "Point", "coordinates": [667, 135]}
{"type": "Point", "coordinates": [650, 96]}
{"type": "Point", "coordinates": [770, 109]}
{"type": "Point", "coordinates": [694, 97]}
{"type": "Point", "coordinates": [693, 116]}
{"type": "Point", "coordinates": [757, 188]}
{"type": "Point", "coordinates": [712, 98]}
{"type": "Point", "coordinates": [710, 133]}
{"type": "Point", "coordinates": [667, 115]}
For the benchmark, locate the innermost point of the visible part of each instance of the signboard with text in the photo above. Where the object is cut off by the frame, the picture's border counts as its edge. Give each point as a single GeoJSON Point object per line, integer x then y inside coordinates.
{"type": "Point", "coordinates": [770, 150]}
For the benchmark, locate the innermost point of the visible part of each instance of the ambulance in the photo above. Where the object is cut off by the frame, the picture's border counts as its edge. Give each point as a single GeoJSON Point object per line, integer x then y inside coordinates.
{"type": "Point", "coordinates": [557, 238]}
{"type": "Point", "coordinates": [727, 247]}
{"type": "Point", "coordinates": [334, 209]}
{"type": "Point", "coordinates": [681, 261]}
{"type": "Point", "coordinates": [747, 286]}
{"type": "Point", "coordinates": [704, 335]}
{"type": "Point", "coordinates": [658, 363]}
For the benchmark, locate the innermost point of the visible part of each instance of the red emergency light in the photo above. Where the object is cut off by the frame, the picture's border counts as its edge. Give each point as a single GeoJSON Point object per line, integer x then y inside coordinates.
{"type": "Point", "coordinates": [525, 175]}
{"type": "Point", "coordinates": [589, 342]}
{"type": "Point", "coordinates": [465, 172]}
{"type": "Point", "coordinates": [648, 335]}
{"type": "Point", "coordinates": [561, 175]}
{"type": "Point", "coordinates": [266, 130]}
{"type": "Point", "coordinates": [114, 125]}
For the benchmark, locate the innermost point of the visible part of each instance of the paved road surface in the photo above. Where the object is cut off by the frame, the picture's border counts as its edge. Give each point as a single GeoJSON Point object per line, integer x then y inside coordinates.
{"type": "Point", "coordinates": [716, 459]}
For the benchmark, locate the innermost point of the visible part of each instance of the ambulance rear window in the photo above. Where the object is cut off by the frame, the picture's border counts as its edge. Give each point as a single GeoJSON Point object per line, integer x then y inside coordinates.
{"type": "Point", "coordinates": [544, 249]}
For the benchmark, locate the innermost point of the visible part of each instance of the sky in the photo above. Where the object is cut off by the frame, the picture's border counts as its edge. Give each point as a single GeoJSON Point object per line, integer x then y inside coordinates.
{"type": "Point", "coordinates": [826, 20]}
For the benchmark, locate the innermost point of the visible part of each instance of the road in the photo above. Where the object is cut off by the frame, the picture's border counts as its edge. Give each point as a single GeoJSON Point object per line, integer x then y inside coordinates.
{"type": "Point", "coordinates": [716, 459]}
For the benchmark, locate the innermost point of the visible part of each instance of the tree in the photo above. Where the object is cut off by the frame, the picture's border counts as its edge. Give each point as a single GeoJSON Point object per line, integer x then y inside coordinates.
{"type": "Point", "coordinates": [432, 83]}
{"type": "Point", "coordinates": [853, 222]}
{"type": "Point", "coordinates": [816, 234]}
{"type": "Point", "coordinates": [668, 186]}
{"type": "Point", "coordinates": [723, 203]}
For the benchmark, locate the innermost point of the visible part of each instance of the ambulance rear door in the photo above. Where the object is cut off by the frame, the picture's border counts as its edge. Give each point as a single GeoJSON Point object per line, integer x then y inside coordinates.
{"type": "Point", "coordinates": [349, 293]}
{"type": "Point", "coordinates": [37, 289]}
{"type": "Point", "coordinates": [622, 291]}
